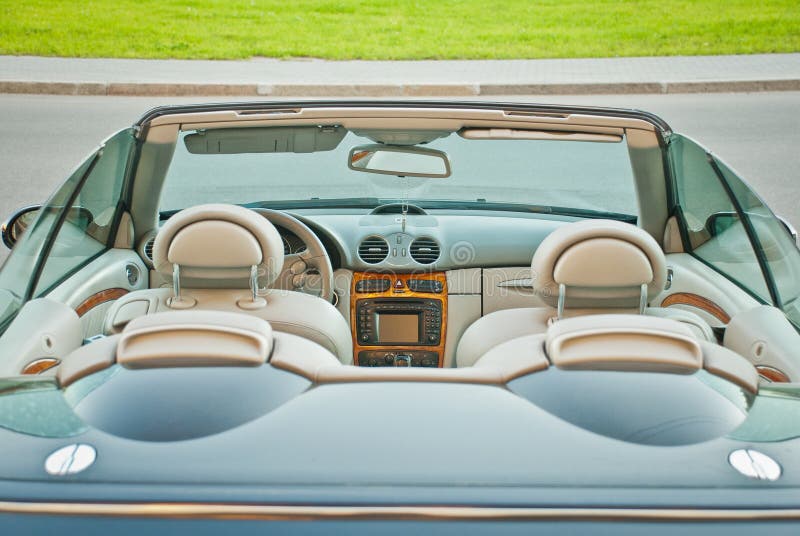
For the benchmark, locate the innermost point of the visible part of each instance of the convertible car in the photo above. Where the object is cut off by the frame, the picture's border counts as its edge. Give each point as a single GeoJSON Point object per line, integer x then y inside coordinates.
{"type": "Point", "coordinates": [397, 316]}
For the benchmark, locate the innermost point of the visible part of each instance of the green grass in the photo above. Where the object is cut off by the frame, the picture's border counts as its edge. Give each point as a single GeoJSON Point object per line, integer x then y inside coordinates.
{"type": "Point", "coordinates": [396, 29]}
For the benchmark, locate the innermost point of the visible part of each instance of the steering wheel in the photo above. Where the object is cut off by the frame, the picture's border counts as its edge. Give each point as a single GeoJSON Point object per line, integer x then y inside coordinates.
{"type": "Point", "coordinates": [309, 271]}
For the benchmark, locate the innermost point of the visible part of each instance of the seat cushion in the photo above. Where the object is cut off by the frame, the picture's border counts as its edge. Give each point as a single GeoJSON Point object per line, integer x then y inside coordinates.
{"type": "Point", "coordinates": [288, 312]}
{"type": "Point", "coordinates": [501, 326]}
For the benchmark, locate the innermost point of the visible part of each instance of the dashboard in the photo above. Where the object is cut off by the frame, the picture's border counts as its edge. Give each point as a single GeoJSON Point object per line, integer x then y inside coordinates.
{"type": "Point", "coordinates": [398, 320]}
{"type": "Point", "coordinates": [435, 241]}
{"type": "Point", "coordinates": [399, 298]}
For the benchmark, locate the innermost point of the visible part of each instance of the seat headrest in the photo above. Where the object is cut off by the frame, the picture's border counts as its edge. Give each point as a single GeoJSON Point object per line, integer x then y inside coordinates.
{"type": "Point", "coordinates": [219, 241]}
{"type": "Point", "coordinates": [194, 339]}
{"type": "Point", "coordinates": [641, 343]}
{"type": "Point", "coordinates": [602, 263]}
{"type": "Point", "coordinates": [623, 342]}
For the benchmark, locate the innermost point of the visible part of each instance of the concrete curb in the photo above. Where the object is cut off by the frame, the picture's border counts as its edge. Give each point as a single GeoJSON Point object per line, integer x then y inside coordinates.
{"type": "Point", "coordinates": [390, 90]}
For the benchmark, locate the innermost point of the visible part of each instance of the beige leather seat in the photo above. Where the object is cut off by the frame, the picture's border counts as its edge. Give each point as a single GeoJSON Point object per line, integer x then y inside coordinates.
{"type": "Point", "coordinates": [586, 267]}
{"type": "Point", "coordinates": [218, 257]}
{"type": "Point", "coordinates": [618, 342]}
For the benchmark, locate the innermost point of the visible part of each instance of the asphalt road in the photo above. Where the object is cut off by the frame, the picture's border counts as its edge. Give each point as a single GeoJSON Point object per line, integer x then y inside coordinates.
{"type": "Point", "coordinates": [43, 137]}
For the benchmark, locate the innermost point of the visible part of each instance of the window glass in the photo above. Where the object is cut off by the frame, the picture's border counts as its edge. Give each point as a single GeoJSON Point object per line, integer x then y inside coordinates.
{"type": "Point", "coordinates": [716, 233]}
{"type": "Point", "coordinates": [587, 175]}
{"type": "Point", "coordinates": [780, 251]}
{"type": "Point", "coordinates": [71, 246]}
{"type": "Point", "coordinates": [19, 267]}
{"type": "Point", "coordinates": [87, 228]}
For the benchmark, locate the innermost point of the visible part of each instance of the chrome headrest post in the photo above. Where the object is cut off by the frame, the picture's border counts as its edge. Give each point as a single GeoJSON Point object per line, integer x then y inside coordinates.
{"type": "Point", "coordinates": [254, 281]}
{"type": "Point", "coordinates": [178, 301]}
{"type": "Point", "coordinates": [562, 296]}
{"type": "Point", "coordinates": [255, 301]}
{"type": "Point", "coordinates": [643, 298]}
{"type": "Point", "coordinates": [176, 281]}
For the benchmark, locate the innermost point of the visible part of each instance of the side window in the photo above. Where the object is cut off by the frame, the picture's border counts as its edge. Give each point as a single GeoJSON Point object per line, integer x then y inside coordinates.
{"type": "Point", "coordinates": [91, 215]}
{"type": "Point", "coordinates": [74, 225]}
{"type": "Point", "coordinates": [779, 251]}
{"type": "Point", "coordinates": [716, 232]}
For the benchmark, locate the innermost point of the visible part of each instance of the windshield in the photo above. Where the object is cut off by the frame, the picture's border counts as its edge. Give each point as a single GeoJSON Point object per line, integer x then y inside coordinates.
{"type": "Point", "coordinates": [583, 175]}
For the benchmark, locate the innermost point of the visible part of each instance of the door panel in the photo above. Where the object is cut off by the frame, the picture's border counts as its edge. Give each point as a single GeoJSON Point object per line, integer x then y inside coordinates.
{"type": "Point", "coordinates": [92, 290]}
{"type": "Point", "coordinates": [697, 288]}
{"type": "Point", "coordinates": [43, 329]}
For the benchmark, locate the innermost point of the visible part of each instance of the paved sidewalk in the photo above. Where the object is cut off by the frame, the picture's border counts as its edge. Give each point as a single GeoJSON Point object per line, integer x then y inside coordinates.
{"type": "Point", "coordinates": [313, 78]}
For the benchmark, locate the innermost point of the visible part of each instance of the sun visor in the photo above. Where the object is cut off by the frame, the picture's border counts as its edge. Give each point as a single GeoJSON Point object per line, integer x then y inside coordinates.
{"type": "Point", "coordinates": [265, 140]}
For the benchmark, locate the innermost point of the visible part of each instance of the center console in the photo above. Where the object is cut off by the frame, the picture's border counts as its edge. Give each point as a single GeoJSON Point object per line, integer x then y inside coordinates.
{"type": "Point", "coordinates": [398, 320]}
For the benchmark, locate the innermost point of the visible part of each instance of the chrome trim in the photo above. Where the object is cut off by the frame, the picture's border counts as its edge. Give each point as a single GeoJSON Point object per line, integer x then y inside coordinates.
{"type": "Point", "coordinates": [70, 460]}
{"type": "Point", "coordinates": [176, 281]}
{"type": "Point", "coordinates": [254, 282]}
{"type": "Point", "coordinates": [754, 464]}
{"type": "Point", "coordinates": [789, 227]}
{"type": "Point", "coordinates": [525, 284]}
{"type": "Point", "coordinates": [642, 298]}
{"type": "Point", "coordinates": [431, 513]}
{"type": "Point", "coordinates": [562, 298]}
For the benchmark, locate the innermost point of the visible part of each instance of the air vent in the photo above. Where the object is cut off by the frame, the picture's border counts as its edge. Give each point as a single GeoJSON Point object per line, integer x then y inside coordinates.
{"type": "Point", "coordinates": [148, 248]}
{"type": "Point", "coordinates": [373, 250]}
{"type": "Point", "coordinates": [424, 250]}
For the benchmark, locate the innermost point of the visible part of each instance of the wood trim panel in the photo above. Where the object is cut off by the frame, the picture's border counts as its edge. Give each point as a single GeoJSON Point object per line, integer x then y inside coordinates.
{"type": "Point", "coordinates": [699, 302]}
{"type": "Point", "coordinates": [772, 374]}
{"type": "Point", "coordinates": [40, 365]}
{"type": "Point", "coordinates": [395, 292]}
{"type": "Point", "coordinates": [99, 298]}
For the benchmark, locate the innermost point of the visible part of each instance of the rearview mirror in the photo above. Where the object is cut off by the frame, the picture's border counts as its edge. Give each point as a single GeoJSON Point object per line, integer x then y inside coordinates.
{"type": "Point", "coordinates": [399, 160]}
{"type": "Point", "coordinates": [13, 228]}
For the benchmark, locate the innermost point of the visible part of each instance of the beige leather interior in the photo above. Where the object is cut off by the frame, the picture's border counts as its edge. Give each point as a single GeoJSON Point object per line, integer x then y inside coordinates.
{"type": "Point", "coordinates": [290, 312]}
{"type": "Point", "coordinates": [194, 338]}
{"type": "Point", "coordinates": [601, 266]}
{"type": "Point", "coordinates": [600, 342]}
{"type": "Point", "coordinates": [495, 328]}
{"type": "Point", "coordinates": [603, 263]}
{"type": "Point", "coordinates": [44, 328]}
{"type": "Point", "coordinates": [616, 342]}
{"type": "Point", "coordinates": [620, 342]}
{"type": "Point", "coordinates": [765, 337]}
{"type": "Point", "coordinates": [690, 275]}
{"type": "Point", "coordinates": [88, 359]}
{"type": "Point", "coordinates": [600, 253]}
{"type": "Point", "coordinates": [242, 240]}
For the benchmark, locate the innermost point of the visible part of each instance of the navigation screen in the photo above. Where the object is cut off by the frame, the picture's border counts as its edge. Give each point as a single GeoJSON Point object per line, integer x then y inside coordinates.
{"type": "Point", "coordinates": [398, 328]}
